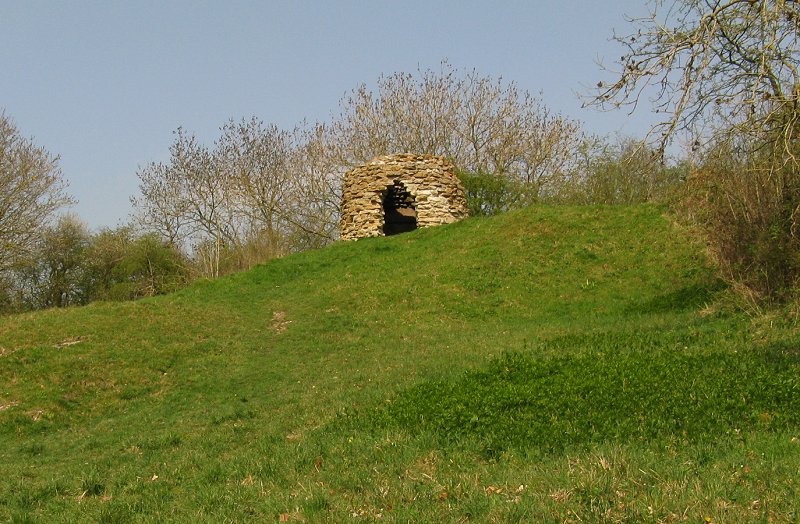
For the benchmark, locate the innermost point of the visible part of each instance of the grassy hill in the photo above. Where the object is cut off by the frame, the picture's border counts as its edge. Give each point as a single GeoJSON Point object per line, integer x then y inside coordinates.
{"type": "Point", "coordinates": [548, 365]}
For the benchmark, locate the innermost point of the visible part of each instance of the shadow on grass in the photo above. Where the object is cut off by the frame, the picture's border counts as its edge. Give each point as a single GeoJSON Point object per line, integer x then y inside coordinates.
{"type": "Point", "coordinates": [694, 296]}
{"type": "Point", "coordinates": [783, 354]}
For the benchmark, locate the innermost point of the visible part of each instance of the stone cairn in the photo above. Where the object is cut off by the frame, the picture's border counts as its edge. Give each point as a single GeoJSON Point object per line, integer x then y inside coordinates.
{"type": "Point", "coordinates": [430, 188]}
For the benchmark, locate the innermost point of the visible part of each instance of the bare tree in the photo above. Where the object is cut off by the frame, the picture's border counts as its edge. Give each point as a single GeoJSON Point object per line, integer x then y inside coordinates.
{"type": "Point", "coordinates": [241, 199]}
{"type": "Point", "coordinates": [31, 190]}
{"type": "Point", "coordinates": [159, 205]}
{"type": "Point", "coordinates": [189, 201]}
{"type": "Point", "coordinates": [179, 198]}
{"type": "Point", "coordinates": [481, 124]}
{"type": "Point", "coordinates": [255, 159]}
{"type": "Point", "coordinates": [712, 67]}
{"type": "Point", "coordinates": [316, 187]}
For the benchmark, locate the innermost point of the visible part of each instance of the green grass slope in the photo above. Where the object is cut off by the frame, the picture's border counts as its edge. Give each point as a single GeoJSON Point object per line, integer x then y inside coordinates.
{"type": "Point", "coordinates": [548, 365]}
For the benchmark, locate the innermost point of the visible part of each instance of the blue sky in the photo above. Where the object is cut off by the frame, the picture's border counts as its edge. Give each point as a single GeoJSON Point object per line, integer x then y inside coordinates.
{"type": "Point", "coordinates": [104, 84]}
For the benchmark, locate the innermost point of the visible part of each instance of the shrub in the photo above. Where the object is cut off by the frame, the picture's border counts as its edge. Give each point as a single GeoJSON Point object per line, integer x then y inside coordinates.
{"type": "Point", "coordinates": [125, 266]}
{"type": "Point", "coordinates": [490, 194]}
{"type": "Point", "coordinates": [747, 203]}
{"type": "Point", "coordinates": [626, 171]}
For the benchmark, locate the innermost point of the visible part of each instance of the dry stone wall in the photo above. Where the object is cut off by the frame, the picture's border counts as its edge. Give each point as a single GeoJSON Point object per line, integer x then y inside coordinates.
{"type": "Point", "coordinates": [438, 196]}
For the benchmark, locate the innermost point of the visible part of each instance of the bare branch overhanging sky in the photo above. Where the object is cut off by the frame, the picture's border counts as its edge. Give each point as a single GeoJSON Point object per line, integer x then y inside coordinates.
{"type": "Point", "coordinates": [105, 84]}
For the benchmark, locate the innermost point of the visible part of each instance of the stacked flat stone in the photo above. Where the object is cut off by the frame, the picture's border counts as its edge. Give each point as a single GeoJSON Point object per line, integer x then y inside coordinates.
{"type": "Point", "coordinates": [437, 192]}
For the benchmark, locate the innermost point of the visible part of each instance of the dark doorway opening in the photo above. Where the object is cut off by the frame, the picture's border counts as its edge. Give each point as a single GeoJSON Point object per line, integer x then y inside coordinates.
{"type": "Point", "coordinates": [399, 213]}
